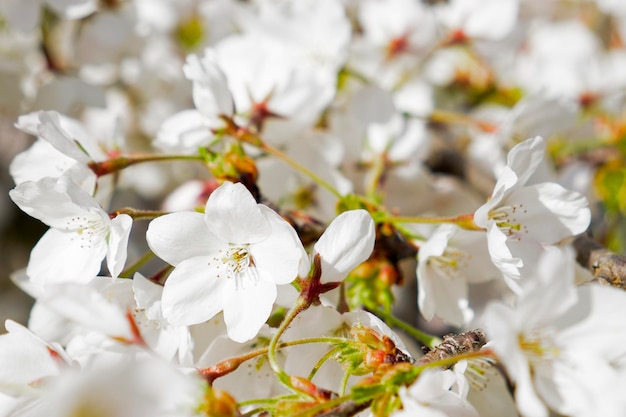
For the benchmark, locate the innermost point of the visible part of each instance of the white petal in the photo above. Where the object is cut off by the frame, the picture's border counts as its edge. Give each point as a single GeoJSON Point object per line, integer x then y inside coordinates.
{"type": "Point", "coordinates": [549, 212]}
{"type": "Point", "coordinates": [348, 241]}
{"type": "Point", "coordinates": [54, 201]}
{"type": "Point", "coordinates": [500, 191]}
{"type": "Point", "coordinates": [491, 20]}
{"type": "Point", "coordinates": [503, 327]}
{"type": "Point", "coordinates": [148, 296]}
{"type": "Point", "coordinates": [74, 9]}
{"type": "Point", "coordinates": [179, 236]}
{"type": "Point", "coordinates": [278, 257]}
{"type": "Point", "coordinates": [185, 132]}
{"type": "Point", "coordinates": [443, 296]}
{"type": "Point", "coordinates": [477, 267]}
{"type": "Point", "coordinates": [24, 359]}
{"type": "Point", "coordinates": [551, 290]}
{"type": "Point", "coordinates": [193, 293]}
{"type": "Point", "coordinates": [50, 129]}
{"type": "Point", "coordinates": [247, 308]}
{"type": "Point", "coordinates": [525, 157]}
{"type": "Point", "coordinates": [43, 160]}
{"type": "Point", "coordinates": [211, 94]}
{"type": "Point", "coordinates": [84, 305]}
{"type": "Point", "coordinates": [502, 257]}
{"type": "Point", "coordinates": [63, 257]}
{"type": "Point", "coordinates": [597, 315]}
{"type": "Point", "coordinates": [437, 243]}
{"type": "Point", "coordinates": [118, 243]}
{"type": "Point", "coordinates": [234, 216]}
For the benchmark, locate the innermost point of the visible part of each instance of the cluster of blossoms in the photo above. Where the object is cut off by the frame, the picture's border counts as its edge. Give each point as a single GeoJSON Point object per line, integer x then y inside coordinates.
{"type": "Point", "coordinates": [259, 207]}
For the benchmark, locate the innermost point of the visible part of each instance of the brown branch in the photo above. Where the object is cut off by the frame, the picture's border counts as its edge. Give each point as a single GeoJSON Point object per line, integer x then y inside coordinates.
{"type": "Point", "coordinates": [608, 267]}
{"type": "Point", "coordinates": [455, 344]}
{"type": "Point", "coordinates": [347, 409]}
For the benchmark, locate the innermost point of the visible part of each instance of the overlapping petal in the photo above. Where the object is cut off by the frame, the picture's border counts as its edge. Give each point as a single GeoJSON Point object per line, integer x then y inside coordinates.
{"type": "Point", "coordinates": [233, 215]}
{"type": "Point", "coordinates": [348, 241]}
{"type": "Point", "coordinates": [193, 292]}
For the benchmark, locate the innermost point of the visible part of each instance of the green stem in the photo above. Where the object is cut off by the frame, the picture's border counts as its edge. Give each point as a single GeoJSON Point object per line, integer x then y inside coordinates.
{"type": "Point", "coordinates": [130, 270]}
{"type": "Point", "coordinates": [322, 361]}
{"type": "Point", "coordinates": [301, 304]}
{"type": "Point", "coordinates": [427, 339]}
{"type": "Point", "coordinates": [297, 166]}
{"type": "Point", "coordinates": [450, 117]}
{"type": "Point", "coordinates": [139, 214]}
{"type": "Point", "coordinates": [324, 406]}
{"type": "Point", "coordinates": [230, 365]}
{"type": "Point", "coordinates": [344, 383]}
{"type": "Point", "coordinates": [253, 139]}
{"type": "Point", "coordinates": [465, 221]}
{"type": "Point", "coordinates": [377, 172]}
{"type": "Point", "coordinates": [118, 163]}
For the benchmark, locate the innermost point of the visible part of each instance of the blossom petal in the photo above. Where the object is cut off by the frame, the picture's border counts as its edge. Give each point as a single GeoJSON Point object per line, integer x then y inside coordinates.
{"type": "Point", "coordinates": [24, 359]}
{"type": "Point", "coordinates": [278, 257]}
{"type": "Point", "coordinates": [234, 216]}
{"type": "Point", "coordinates": [85, 305]}
{"type": "Point", "coordinates": [549, 212]}
{"type": "Point", "coordinates": [184, 132]}
{"type": "Point", "coordinates": [589, 319]}
{"type": "Point", "coordinates": [444, 296]}
{"type": "Point", "coordinates": [193, 293]}
{"type": "Point", "coordinates": [502, 327]}
{"type": "Point", "coordinates": [247, 308]}
{"type": "Point", "coordinates": [73, 9]}
{"type": "Point", "coordinates": [118, 243]}
{"type": "Point", "coordinates": [211, 93]}
{"type": "Point", "coordinates": [525, 157]}
{"type": "Point", "coordinates": [502, 257]}
{"type": "Point", "coordinates": [179, 236]}
{"type": "Point", "coordinates": [63, 257]}
{"type": "Point", "coordinates": [50, 129]}
{"type": "Point", "coordinates": [43, 160]}
{"type": "Point", "coordinates": [348, 241]}
{"type": "Point", "coordinates": [54, 201]}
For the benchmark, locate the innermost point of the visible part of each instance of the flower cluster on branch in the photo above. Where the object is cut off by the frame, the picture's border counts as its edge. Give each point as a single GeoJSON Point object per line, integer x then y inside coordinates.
{"type": "Point", "coordinates": [280, 208]}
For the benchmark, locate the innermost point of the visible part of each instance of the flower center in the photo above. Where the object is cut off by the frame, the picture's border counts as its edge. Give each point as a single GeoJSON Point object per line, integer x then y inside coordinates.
{"type": "Point", "coordinates": [450, 263]}
{"type": "Point", "coordinates": [239, 264]}
{"type": "Point", "coordinates": [538, 345]}
{"type": "Point", "coordinates": [237, 258]}
{"type": "Point", "coordinates": [479, 371]}
{"type": "Point", "coordinates": [89, 229]}
{"type": "Point", "coordinates": [506, 219]}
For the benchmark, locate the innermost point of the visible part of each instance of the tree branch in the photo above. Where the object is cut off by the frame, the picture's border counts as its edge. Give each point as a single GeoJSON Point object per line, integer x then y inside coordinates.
{"type": "Point", "coordinates": [608, 268]}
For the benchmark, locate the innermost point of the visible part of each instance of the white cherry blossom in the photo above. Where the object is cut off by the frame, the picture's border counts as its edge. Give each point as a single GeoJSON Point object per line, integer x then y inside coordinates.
{"type": "Point", "coordinates": [543, 342]}
{"type": "Point", "coordinates": [189, 129]}
{"type": "Point", "coordinates": [81, 233]}
{"type": "Point", "coordinates": [520, 218]}
{"type": "Point", "coordinates": [231, 259]}
{"type": "Point", "coordinates": [448, 262]}
{"type": "Point", "coordinates": [431, 396]}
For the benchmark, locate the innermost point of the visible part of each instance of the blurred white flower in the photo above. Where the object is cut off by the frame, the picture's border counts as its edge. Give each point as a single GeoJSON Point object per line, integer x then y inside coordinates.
{"type": "Point", "coordinates": [560, 344]}
{"type": "Point", "coordinates": [448, 262]}
{"type": "Point", "coordinates": [431, 396]}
